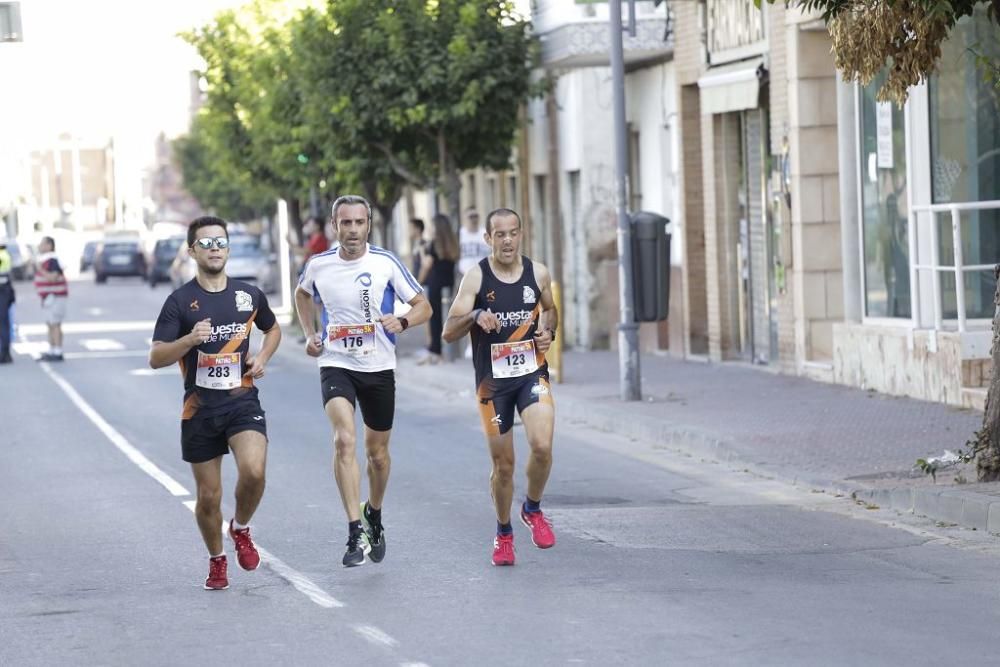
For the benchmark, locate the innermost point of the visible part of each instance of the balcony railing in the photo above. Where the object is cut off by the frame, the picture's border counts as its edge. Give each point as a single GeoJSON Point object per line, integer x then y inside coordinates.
{"type": "Point", "coordinates": [735, 30]}
{"type": "Point", "coordinates": [959, 268]}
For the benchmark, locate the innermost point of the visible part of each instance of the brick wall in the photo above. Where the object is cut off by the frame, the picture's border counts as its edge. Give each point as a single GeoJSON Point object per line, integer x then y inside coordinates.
{"type": "Point", "coordinates": [688, 50]}
{"type": "Point", "coordinates": [692, 206]}
{"type": "Point", "coordinates": [812, 118]}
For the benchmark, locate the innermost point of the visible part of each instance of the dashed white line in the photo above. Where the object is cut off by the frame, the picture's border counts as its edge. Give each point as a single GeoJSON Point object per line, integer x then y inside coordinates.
{"type": "Point", "coordinates": [102, 344]}
{"type": "Point", "coordinates": [299, 581]}
{"type": "Point", "coordinates": [295, 578]}
{"type": "Point", "coordinates": [375, 636]}
{"type": "Point", "coordinates": [99, 326]}
{"type": "Point", "coordinates": [116, 438]}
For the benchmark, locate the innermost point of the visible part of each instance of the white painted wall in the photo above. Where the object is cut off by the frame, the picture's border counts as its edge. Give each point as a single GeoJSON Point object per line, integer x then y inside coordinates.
{"type": "Point", "coordinates": [552, 14]}
{"type": "Point", "coordinates": [651, 108]}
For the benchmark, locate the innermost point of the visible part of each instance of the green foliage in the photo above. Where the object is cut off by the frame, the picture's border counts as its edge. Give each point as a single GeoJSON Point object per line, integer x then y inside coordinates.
{"type": "Point", "coordinates": [412, 89]}
{"type": "Point", "coordinates": [250, 125]}
{"type": "Point", "coordinates": [367, 95]}
{"type": "Point", "coordinates": [214, 179]}
{"type": "Point", "coordinates": [901, 37]}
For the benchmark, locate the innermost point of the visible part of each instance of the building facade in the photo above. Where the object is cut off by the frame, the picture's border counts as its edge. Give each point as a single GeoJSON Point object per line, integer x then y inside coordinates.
{"type": "Point", "coordinates": [821, 225]}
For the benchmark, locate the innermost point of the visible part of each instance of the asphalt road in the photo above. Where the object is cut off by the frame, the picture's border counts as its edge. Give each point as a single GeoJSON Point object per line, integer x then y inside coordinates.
{"type": "Point", "coordinates": [101, 562]}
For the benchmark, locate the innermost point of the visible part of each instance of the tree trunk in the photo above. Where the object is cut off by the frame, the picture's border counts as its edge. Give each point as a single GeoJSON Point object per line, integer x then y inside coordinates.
{"type": "Point", "coordinates": [987, 441]}
{"type": "Point", "coordinates": [451, 183]}
{"type": "Point", "coordinates": [295, 218]}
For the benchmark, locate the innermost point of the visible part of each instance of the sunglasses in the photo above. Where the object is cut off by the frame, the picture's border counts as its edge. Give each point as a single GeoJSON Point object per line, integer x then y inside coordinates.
{"type": "Point", "coordinates": [208, 242]}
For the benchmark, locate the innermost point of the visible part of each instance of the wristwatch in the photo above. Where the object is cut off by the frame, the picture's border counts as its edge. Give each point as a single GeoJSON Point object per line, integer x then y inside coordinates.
{"type": "Point", "coordinates": [404, 323]}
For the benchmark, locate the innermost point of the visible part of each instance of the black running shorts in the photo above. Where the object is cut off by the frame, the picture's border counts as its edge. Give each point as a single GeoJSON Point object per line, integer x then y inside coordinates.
{"type": "Point", "coordinates": [203, 438]}
{"type": "Point", "coordinates": [375, 392]}
{"type": "Point", "coordinates": [497, 409]}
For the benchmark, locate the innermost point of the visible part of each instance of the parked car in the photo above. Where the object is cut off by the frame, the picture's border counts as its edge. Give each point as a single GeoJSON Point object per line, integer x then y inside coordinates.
{"type": "Point", "coordinates": [87, 257]}
{"type": "Point", "coordinates": [22, 260]}
{"type": "Point", "coordinates": [182, 268]}
{"type": "Point", "coordinates": [247, 261]}
{"type": "Point", "coordinates": [119, 257]}
{"type": "Point", "coordinates": [161, 258]}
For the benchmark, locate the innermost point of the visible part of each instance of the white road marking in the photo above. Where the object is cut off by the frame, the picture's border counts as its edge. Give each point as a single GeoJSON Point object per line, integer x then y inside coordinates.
{"type": "Point", "coordinates": [116, 438]}
{"type": "Point", "coordinates": [166, 370]}
{"type": "Point", "coordinates": [102, 344]}
{"type": "Point", "coordinates": [375, 636]}
{"type": "Point", "coordinates": [30, 348]}
{"type": "Point", "coordinates": [299, 581]}
{"type": "Point", "coordinates": [122, 354]}
{"type": "Point", "coordinates": [87, 327]}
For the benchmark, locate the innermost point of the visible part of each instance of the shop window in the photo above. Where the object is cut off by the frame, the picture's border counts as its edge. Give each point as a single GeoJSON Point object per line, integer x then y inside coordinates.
{"type": "Point", "coordinates": [965, 158]}
{"type": "Point", "coordinates": [884, 206]}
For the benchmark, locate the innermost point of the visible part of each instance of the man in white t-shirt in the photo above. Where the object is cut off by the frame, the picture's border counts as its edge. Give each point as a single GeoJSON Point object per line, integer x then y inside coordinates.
{"type": "Point", "coordinates": [472, 248]}
{"type": "Point", "coordinates": [358, 285]}
{"type": "Point", "coordinates": [471, 242]}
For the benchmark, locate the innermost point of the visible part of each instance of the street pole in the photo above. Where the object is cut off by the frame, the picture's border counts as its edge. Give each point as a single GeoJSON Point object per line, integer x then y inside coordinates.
{"type": "Point", "coordinates": [628, 329]}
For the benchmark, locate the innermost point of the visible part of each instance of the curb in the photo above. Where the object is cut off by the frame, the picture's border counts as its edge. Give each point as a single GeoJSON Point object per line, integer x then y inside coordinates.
{"type": "Point", "coordinates": [976, 511]}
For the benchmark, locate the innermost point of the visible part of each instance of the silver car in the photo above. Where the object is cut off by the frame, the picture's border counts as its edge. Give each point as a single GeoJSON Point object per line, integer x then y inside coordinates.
{"type": "Point", "coordinates": [247, 261]}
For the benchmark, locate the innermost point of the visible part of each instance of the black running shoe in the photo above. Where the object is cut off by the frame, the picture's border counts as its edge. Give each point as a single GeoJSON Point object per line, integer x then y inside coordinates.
{"type": "Point", "coordinates": [357, 547]}
{"type": "Point", "coordinates": [375, 533]}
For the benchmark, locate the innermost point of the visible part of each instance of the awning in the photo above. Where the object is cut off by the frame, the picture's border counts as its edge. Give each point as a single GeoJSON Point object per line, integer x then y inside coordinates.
{"type": "Point", "coordinates": [731, 88]}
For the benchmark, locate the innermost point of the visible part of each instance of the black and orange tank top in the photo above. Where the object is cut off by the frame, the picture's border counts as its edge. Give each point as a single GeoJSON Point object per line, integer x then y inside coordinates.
{"type": "Point", "coordinates": [496, 355]}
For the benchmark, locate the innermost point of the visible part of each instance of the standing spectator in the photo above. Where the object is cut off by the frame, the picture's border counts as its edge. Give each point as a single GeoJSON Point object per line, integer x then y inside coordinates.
{"type": "Point", "coordinates": [437, 271]}
{"type": "Point", "coordinates": [472, 243]}
{"type": "Point", "coordinates": [50, 283]}
{"type": "Point", "coordinates": [416, 244]}
{"type": "Point", "coordinates": [472, 248]}
{"type": "Point", "coordinates": [6, 301]}
{"type": "Point", "coordinates": [316, 241]}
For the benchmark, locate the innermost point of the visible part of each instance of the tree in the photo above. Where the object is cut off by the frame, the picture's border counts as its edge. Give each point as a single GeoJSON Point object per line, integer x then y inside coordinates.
{"type": "Point", "coordinates": [902, 36]}
{"type": "Point", "coordinates": [250, 126]}
{"type": "Point", "coordinates": [214, 180]}
{"type": "Point", "coordinates": [322, 74]}
{"type": "Point", "coordinates": [421, 88]}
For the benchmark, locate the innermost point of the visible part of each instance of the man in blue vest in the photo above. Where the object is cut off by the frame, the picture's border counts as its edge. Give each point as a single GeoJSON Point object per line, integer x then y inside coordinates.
{"type": "Point", "coordinates": [6, 301]}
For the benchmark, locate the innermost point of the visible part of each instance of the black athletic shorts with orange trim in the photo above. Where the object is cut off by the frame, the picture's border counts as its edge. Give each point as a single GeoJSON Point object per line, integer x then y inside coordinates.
{"type": "Point", "coordinates": [498, 400]}
{"type": "Point", "coordinates": [204, 437]}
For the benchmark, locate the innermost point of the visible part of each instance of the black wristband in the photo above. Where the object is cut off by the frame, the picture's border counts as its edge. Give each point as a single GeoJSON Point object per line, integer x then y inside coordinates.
{"type": "Point", "coordinates": [475, 315]}
{"type": "Point", "coordinates": [404, 322]}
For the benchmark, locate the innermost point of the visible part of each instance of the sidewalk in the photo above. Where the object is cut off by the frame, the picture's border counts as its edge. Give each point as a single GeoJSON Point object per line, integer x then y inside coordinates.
{"type": "Point", "coordinates": [816, 435]}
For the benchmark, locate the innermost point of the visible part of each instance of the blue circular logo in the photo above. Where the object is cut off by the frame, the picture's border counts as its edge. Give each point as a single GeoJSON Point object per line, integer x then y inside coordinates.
{"type": "Point", "coordinates": [365, 279]}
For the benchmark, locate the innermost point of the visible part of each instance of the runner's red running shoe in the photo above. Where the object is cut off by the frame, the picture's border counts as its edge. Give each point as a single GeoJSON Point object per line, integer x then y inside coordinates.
{"type": "Point", "coordinates": [246, 552]}
{"type": "Point", "coordinates": [503, 550]}
{"type": "Point", "coordinates": [217, 580]}
{"type": "Point", "coordinates": [541, 529]}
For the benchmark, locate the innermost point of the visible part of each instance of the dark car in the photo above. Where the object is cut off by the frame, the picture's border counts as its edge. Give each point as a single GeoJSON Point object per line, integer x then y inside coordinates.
{"type": "Point", "coordinates": [164, 251]}
{"type": "Point", "coordinates": [119, 257]}
{"type": "Point", "coordinates": [87, 257]}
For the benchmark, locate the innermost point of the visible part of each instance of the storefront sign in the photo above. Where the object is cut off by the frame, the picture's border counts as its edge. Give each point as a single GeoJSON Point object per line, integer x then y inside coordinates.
{"type": "Point", "coordinates": [883, 134]}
